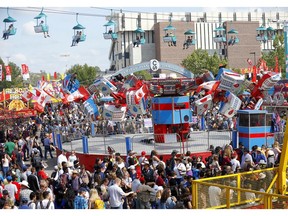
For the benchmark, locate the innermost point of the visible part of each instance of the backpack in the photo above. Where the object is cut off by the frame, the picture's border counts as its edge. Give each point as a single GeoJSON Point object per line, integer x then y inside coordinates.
{"type": "Point", "coordinates": [99, 204]}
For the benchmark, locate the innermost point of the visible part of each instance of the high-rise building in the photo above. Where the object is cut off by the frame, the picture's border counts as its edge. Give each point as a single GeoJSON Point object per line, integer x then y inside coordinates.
{"type": "Point", "coordinates": [123, 54]}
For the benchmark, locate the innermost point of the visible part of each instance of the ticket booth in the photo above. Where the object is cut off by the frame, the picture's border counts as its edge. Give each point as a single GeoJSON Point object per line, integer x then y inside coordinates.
{"type": "Point", "coordinates": [254, 128]}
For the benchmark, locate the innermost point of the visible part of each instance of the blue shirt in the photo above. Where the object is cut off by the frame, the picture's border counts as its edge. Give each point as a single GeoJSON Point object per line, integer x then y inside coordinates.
{"type": "Point", "coordinates": [46, 142]}
{"type": "Point", "coordinates": [80, 202]}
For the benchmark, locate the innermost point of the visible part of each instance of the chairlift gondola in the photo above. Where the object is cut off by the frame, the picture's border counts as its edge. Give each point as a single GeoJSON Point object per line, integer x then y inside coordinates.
{"type": "Point", "coordinates": [219, 35]}
{"type": "Point", "coordinates": [110, 34]}
{"type": "Point", "coordinates": [79, 34]}
{"type": "Point", "coordinates": [261, 34]}
{"type": "Point", "coordinates": [41, 27]}
{"type": "Point", "coordinates": [233, 37]}
{"type": "Point", "coordinates": [189, 38]}
{"type": "Point", "coordinates": [270, 33]}
{"type": "Point", "coordinates": [10, 30]}
{"type": "Point", "coordinates": [140, 33]}
{"type": "Point", "coordinates": [169, 36]}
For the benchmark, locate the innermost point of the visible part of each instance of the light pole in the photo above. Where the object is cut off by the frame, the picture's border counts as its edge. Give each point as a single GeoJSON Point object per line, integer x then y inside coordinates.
{"type": "Point", "coordinates": [254, 67]}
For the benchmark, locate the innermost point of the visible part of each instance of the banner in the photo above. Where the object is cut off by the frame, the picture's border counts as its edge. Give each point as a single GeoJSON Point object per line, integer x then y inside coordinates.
{"type": "Point", "coordinates": [91, 109]}
{"type": "Point", "coordinates": [0, 72]}
{"type": "Point", "coordinates": [8, 73]}
{"type": "Point", "coordinates": [25, 71]}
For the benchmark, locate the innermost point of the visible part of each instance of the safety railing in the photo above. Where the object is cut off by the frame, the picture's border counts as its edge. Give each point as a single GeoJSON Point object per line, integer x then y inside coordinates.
{"type": "Point", "coordinates": [254, 189]}
{"type": "Point", "coordinates": [201, 140]}
{"type": "Point", "coordinates": [162, 143]}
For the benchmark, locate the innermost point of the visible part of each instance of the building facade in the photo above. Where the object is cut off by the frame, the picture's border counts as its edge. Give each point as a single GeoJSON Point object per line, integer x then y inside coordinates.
{"type": "Point", "coordinates": [123, 53]}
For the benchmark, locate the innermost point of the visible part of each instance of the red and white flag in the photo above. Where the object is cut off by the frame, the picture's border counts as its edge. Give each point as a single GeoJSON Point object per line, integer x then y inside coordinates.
{"type": "Point", "coordinates": [41, 101]}
{"type": "Point", "coordinates": [140, 93]}
{"type": "Point", "coordinates": [27, 95]}
{"type": "Point", "coordinates": [81, 93]}
{"type": "Point", "coordinates": [8, 73]}
{"type": "Point", "coordinates": [25, 71]}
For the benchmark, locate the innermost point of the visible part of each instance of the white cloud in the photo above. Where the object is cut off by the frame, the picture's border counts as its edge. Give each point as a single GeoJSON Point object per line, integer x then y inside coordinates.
{"type": "Point", "coordinates": [19, 57]}
{"type": "Point", "coordinates": [28, 28]}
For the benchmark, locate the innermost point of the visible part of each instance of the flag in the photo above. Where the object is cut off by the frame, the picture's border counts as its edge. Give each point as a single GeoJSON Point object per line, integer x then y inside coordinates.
{"type": "Point", "coordinates": [249, 61]}
{"type": "Point", "coordinates": [25, 71]}
{"type": "Point", "coordinates": [81, 93]}
{"type": "Point", "coordinates": [27, 95]}
{"type": "Point", "coordinates": [8, 73]}
{"type": "Point", "coordinates": [41, 101]}
{"type": "Point", "coordinates": [141, 93]}
{"type": "Point", "coordinates": [48, 77]}
{"type": "Point", "coordinates": [55, 75]}
{"type": "Point", "coordinates": [1, 72]}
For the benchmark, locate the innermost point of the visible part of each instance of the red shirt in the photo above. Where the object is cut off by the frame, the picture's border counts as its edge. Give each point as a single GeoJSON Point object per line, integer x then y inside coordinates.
{"type": "Point", "coordinates": [18, 189]}
{"type": "Point", "coordinates": [42, 174]}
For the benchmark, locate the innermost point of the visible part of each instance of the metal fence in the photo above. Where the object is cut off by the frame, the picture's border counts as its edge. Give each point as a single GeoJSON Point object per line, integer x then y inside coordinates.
{"type": "Point", "coordinates": [243, 190]}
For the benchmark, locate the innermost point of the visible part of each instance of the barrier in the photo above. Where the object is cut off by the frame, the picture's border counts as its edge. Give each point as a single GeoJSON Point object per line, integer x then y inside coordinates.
{"type": "Point", "coordinates": [244, 190]}
{"type": "Point", "coordinates": [199, 141]}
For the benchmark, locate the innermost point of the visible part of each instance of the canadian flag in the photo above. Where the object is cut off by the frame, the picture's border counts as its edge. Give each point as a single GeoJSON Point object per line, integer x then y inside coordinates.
{"type": "Point", "coordinates": [140, 93]}
{"type": "Point", "coordinates": [41, 101]}
{"type": "Point", "coordinates": [27, 95]}
{"type": "Point", "coordinates": [81, 93]}
{"type": "Point", "coordinates": [25, 71]}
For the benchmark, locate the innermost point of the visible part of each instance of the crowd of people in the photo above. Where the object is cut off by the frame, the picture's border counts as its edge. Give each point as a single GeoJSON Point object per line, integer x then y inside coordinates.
{"type": "Point", "coordinates": [135, 181]}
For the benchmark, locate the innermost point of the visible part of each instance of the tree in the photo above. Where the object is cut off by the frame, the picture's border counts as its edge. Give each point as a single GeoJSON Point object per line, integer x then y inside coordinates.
{"type": "Point", "coordinates": [143, 75]}
{"type": "Point", "coordinates": [279, 51]}
{"type": "Point", "coordinates": [85, 74]}
{"type": "Point", "coordinates": [200, 60]}
{"type": "Point", "coordinates": [16, 77]}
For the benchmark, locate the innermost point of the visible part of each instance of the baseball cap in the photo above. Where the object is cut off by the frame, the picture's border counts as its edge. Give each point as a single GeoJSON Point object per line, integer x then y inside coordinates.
{"type": "Point", "coordinates": [9, 178]}
{"type": "Point", "coordinates": [5, 192]}
{"type": "Point", "coordinates": [143, 153]}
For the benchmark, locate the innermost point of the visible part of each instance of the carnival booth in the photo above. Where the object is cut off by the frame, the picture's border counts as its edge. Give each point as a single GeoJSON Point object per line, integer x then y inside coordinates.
{"type": "Point", "coordinates": [254, 128]}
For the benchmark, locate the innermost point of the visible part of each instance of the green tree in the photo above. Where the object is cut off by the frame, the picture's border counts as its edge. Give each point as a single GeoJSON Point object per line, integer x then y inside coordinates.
{"type": "Point", "coordinates": [279, 51]}
{"type": "Point", "coordinates": [16, 77]}
{"type": "Point", "coordinates": [200, 60]}
{"type": "Point", "coordinates": [85, 74]}
{"type": "Point", "coordinates": [143, 75]}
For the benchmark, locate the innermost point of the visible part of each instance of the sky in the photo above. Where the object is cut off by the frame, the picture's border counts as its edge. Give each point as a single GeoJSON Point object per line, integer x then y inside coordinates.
{"type": "Point", "coordinates": [55, 54]}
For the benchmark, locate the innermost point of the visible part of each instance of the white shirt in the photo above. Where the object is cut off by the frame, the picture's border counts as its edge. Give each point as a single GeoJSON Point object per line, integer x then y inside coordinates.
{"type": "Point", "coordinates": [61, 158]}
{"type": "Point", "coordinates": [44, 203]}
{"type": "Point", "coordinates": [244, 157]}
{"type": "Point", "coordinates": [72, 158]}
{"type": "Point", "coordinates": [178, 168]}
{"type": "Point", "coordinates": [115, 195]}
{"type": "Point", "coordinates": [214, 196]}
{"type": "Point", "coordinates": [235, 163]}
{"type": "Point", "coordinates": [12, 190]}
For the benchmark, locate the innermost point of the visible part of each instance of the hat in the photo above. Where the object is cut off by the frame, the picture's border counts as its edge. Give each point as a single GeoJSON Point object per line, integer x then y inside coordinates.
{"type": "Point", "coordinates": [132, 153]}
{"type": "Point", "coordinates": [262, 176]}
{"type": "Point", "coordinates": [75, 172]}
{"type": "Point", "coordinates": [131, 167]}
{"type": "Point", "coordinates": [258, 149]}
{"type": "Point", "coordinates": [143, 153]}
{"type": "Point", "coordinates": [102, 166]}
{"type": "Point", "coordinates": [24, 200]}
{"type": "Point", "coordinates": [9, 178]}
{"type": "Point", "coordinates": [24, 183]}
{"type": "Point", "coordinates": [5, 192]}
{"type": "Point", "coordinates": [174, 152]}
{"type": "Point", "coordinates": [142, 180]}
{"type": "Point", "coordinates": [262, 162]}
{"type": "Point", "coordinates": [24, 168]}
{"type": "Point", "coordinates": [69, 164]}
{"type": "Point", "coordinates": [81, 190]}
{"type": "Point", "coordinates": [56, 167]}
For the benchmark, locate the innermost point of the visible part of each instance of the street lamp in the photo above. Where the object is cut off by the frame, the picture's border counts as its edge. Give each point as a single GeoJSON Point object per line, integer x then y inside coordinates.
{"type": "Point", "coordinates": [254, 67]}
{"type": "Point", "coordinates": [285, 23]}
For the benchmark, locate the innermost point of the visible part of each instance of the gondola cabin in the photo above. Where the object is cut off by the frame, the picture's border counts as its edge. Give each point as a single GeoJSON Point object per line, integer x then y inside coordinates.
{"type": "Point", "coordinates": [79, 31]}
{"type": "Point", "coordinates": [270, 33]}
{"type": "Point", "coordinates": [233, 39]}
{"type": "Point", "coordinates": [110, 33]}
{"type": "Point", "coordinates": [41, 25]}
{"type": "Point", "coordinates": [219, 35]}
{"type": "Point", "coordinates": [261, 34]}
{"type": "Point", "coordinates": [9, 28]}
{"type": "Point", "coordinates": [169, 36]}
{"type": "Point", "coordinates": [140, 34]}
{"type": "Point", "coordinates": [190, 37]}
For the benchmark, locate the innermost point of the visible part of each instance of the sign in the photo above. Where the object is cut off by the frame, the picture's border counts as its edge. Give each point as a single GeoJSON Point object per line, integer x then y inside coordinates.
{"type": "Point", "coordinates": [14, 93]}
{"type": "Point", "coordinates": [148, 122]}
{"type": "Point", "coordinates": [8, 73]}
{"type": "Point", "coordinates": [154, 65]}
